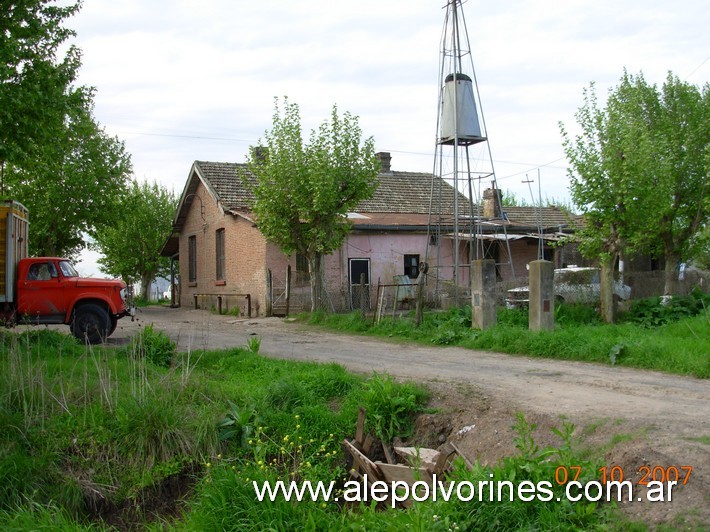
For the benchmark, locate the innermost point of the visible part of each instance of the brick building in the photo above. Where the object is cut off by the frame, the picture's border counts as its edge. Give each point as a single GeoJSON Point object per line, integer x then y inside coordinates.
{"type": "Point", "coordinates": [223, 259]}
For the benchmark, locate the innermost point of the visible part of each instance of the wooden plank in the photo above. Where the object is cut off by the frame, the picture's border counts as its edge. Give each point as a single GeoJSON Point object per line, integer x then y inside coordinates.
{"type": "Point", "coordinates": [466, 460]}
{"type": "Point", "coordinates": [388, 454]}
{"type": "Point", "coordinates": [446, 456]}
{"type": "Point", "coordinates": [363, 462]}
{"type": "Point", "coordinates": [404, 473]}
{"type": "Point", "coordinates": [360, 427]}
{"type": "Point", "coordinates": [369, 442]}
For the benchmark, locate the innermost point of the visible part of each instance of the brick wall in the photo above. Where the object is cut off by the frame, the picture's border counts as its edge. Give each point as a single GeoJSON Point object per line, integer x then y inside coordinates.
{"type": "Point", "coordinates": [245, 254]}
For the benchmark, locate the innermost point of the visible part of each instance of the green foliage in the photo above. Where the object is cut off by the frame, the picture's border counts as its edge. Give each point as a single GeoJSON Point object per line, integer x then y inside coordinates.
{"type": "Point", "coordinates": [303, 191]}
{"type": "Point", "coordinates": [653, 312]}
{"type": "Point", "coordinates": [33, 77]}
{"type": "Point", "coordinates": [391, 406]}
{"type": "Point", "coordinates": [239, 424]}
{"type": "Point", "coordinates": [155, 346]}
{"type": "Point", "coordinates": [79, 161]}
{"type": "Point", "coordinates": [56, 159]}
{"type": "Point", "coordinates": [639, 169]}
{"type": "Point", "coordinates": [254, 344]}
{"type": "Point", "coordinates": [131, 245]}
{"type": "Point", "coordinates": [154, 430]}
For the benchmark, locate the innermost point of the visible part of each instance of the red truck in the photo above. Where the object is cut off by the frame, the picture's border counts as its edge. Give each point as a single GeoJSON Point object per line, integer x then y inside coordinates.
{"type": "Point", "coordinates": [48, 290]}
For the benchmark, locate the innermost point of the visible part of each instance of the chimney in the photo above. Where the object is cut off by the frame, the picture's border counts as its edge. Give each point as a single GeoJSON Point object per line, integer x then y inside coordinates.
{"type": "Point", "coordinates": [491, 203]}
{"type": "Point", "coordinates": [385, 158]}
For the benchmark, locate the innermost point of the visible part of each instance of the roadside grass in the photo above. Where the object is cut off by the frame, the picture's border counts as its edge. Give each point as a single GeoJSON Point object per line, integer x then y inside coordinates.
{"type": "Point", "coordinates": [676, 342]}
{"type": "Point", "coordinates": [88, 436]}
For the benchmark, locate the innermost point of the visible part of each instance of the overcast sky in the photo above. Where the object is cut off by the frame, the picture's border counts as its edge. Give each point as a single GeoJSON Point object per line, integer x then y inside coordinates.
{"type": "Point", "coordinates": [186, 80]}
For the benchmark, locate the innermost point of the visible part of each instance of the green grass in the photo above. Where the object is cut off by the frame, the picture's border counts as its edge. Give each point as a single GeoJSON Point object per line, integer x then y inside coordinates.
{"type": "Point", "coordinates": [677, 343]}
{"type": "Point", "coordinates": [88, 434]}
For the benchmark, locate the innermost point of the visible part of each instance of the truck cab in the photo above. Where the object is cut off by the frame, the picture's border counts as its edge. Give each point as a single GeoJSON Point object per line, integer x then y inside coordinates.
{"type": "Point", "coordinates": [50, 291]}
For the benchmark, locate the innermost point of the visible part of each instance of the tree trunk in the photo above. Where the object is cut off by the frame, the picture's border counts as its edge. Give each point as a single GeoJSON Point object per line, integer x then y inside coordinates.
{"type": "Point", "coordinates": [606, 289]}
{"type": "Point", "coordinates": [146, 281]}
{"type": "Point", "coordinates": [670, 286]}
{"type": "Point", "coordinates": [316, 275]}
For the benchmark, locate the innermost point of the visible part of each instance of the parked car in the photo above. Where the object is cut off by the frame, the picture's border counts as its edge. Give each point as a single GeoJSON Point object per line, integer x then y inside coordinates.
{"type": "Point", "coordinates": [571, 285]}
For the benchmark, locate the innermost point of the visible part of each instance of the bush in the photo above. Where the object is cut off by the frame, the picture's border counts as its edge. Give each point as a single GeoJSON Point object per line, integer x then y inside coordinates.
{"type": "Point", "coordinates": [153, 345]}
{"type": "Point", "coordinates": [391, 407]}
{"type": "Point", "coordinates": [653, 312]}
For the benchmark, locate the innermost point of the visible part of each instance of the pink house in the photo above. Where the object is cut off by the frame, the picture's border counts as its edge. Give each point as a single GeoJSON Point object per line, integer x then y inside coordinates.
{"type": "Point", "coordinates": [226, 263]}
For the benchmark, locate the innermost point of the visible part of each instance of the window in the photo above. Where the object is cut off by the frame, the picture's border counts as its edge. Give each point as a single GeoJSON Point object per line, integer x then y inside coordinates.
{"type": "Point", "coordinates": [40, 272]}
{"type": "Point", "coordinates": [219, 247]}
{"type": "Point", "coordinates": [192, 259]}
{"type": "Point", "coordinates": [411, 266]}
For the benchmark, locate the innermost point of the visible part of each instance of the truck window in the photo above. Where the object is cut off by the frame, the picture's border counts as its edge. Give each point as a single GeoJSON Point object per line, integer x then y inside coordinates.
{"type": "Point", "coordinates": [41, 271]}
{"type": "Point", "coordinates": [67, 269]}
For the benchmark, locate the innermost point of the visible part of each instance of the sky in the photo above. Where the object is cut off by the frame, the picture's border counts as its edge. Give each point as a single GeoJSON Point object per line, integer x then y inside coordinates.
{"type": "Point", "coordinates": [186, 80]}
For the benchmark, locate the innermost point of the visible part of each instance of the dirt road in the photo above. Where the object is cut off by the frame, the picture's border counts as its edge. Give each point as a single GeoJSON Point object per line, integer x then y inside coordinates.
{"type": "Point", "coordinates": [663, 419]}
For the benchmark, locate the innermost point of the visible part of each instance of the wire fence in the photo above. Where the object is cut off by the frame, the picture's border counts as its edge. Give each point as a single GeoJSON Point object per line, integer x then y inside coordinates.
{"type": "Point", "coordinates": [399, 296]}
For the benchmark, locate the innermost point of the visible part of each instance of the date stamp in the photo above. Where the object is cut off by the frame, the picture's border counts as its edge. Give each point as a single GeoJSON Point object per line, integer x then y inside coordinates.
{"type": "Point", "coordinates": [664, 474]}
{"type": "Point", "coordinates": [656, 482]}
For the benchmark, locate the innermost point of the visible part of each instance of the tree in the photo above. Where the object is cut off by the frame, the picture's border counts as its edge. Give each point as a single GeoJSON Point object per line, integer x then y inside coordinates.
{"type": "Point", "coordinates": [73, 183]}
{"type": "Point", "coordinates": [639, 172]}
{"type": "Point", "coordinates": [303, 192]}
{"type": "Point", "coordinates": [33, 79]}
{"type": "Point", "coordinates": [131, 245]}
{"type": "Point", "coordinates": [54, 157]}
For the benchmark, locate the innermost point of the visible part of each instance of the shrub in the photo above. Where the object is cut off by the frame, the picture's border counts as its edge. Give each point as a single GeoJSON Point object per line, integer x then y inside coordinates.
{"type": "Point", "coordinates": [654, 312]}
{"type": "Point", "coordinates": [391, 406]}
{"type": "Point", "coordinates": [154, 346]}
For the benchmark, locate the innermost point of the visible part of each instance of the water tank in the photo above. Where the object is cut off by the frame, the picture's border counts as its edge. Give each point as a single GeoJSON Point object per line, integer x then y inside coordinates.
{"type": "Point", "coordinates": [458, 112]}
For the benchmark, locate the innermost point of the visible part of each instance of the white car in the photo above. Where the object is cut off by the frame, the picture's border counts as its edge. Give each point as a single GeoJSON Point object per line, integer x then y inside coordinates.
{"type": "Point", "coordinates": [571, 285]}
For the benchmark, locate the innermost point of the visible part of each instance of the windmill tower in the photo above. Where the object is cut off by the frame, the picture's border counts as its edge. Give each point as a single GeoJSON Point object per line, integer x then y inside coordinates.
{"type": "Point", "coordinates": [460, 228]}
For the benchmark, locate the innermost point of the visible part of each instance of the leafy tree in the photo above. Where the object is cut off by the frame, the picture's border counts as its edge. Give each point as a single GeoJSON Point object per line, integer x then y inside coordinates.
{"type": "Point", "coordinates": [73, 183]}
{"type": "Point", "coordinates": [639, 172]}
{"type": "Point", "coordinates": [131, 245]}
{"type": "Point", "coordinates": [54, 157]}
{"type": "Point", "coordinates": [33, 79]}
{"type": "Point", "coordinates": [303, 191]}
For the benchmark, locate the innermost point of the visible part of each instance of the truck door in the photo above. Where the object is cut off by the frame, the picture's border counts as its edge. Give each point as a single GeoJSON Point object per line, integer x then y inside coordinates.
{"type": "Point", "coordinates": [41, 294]}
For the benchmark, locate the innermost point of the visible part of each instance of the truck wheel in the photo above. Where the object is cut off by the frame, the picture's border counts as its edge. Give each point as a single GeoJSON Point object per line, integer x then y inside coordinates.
{"type": "Point", "coordinates": [114, 324]}
{"type": "Point", "coordinates": [90, 324]}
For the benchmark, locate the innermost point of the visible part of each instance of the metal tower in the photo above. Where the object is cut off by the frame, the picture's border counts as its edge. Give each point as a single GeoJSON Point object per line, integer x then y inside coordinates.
{"type": "Point", "coordinates": [462, 160]}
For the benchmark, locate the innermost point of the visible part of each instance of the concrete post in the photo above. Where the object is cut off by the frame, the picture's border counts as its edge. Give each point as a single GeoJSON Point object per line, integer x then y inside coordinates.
{"type": "Point", "coordinates": [483, 294]}
{"type": "Point", "coordinates": [542, 296]}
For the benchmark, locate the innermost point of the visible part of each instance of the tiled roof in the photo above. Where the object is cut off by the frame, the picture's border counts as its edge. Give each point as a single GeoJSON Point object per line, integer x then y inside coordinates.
{"type": "Point", "coordinates": [409, 192]}
{"type": "Point", "coordinates": [398, 193]}
{"type": "Point", "coordinates": [226, 183]}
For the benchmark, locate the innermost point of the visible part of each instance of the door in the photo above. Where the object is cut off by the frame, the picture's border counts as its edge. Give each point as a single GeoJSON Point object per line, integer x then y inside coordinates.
{"type": "Point", "coordinates": [41, 294]}
{"type": "Point", "coordinates": [358, 296]}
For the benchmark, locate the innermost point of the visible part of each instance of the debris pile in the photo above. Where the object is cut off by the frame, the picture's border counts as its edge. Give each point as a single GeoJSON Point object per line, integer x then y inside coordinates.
{"type": "Point", "coordinates": [401, 464]}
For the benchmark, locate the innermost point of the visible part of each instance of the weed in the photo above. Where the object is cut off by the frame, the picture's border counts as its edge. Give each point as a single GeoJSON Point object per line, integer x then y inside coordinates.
{"type": "Point", "coordinates": [154, 346]}
{"type": "Point", "coordinates": [239, 425]}
{"type": "Point", "coordinates": [253, 344]}
{"type": "Point", "coordinates": [654, 312]}
{"type": "Point", "coordinates": [391, 406]}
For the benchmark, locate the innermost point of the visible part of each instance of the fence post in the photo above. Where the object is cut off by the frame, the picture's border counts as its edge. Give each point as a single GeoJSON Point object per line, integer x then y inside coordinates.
{"type": "Point", "coordinates": [421, 282]}
{"type": "Point", "coordinates": [288, 288]}
{"type": "Point", "coordinates": [268, 300]}
{"type": "Point", "coordinates": [363, 306]}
